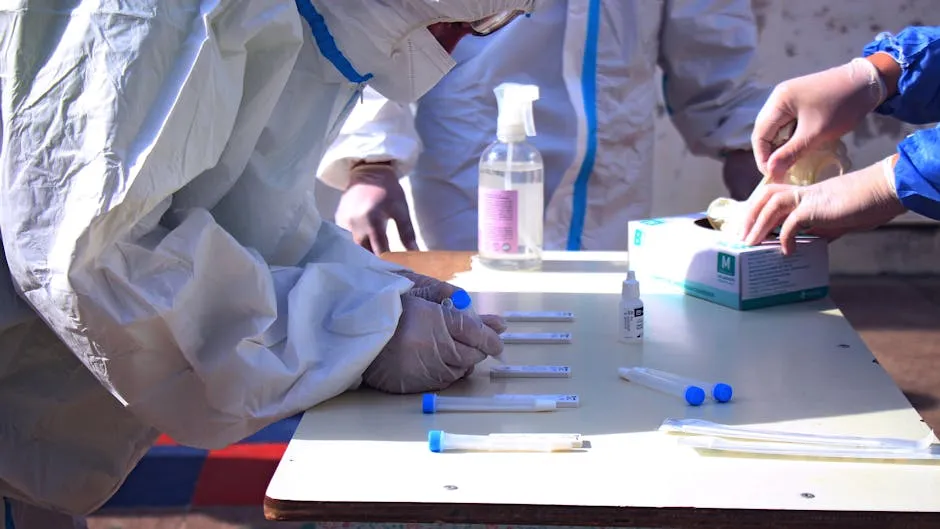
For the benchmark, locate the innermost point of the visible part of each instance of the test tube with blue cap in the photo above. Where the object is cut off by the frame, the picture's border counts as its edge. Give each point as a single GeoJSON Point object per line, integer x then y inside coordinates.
{"type": "Point", "coordinates": [692, 394]}
{"type": "Point", "coordinates": [460, 300]}
{"type": "Point", "coordinates": [432, 403]}
{"type": "Point", "coordinates": [440, 441]}
{"type": "Point", "coordinates": [717, 391]}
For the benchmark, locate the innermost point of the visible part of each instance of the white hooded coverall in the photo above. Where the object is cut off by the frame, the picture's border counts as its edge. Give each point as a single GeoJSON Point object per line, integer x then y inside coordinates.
{"type": "Point", "coordinates": [595, 64]}
{"type": "Point", "coordinates": [168, 270]}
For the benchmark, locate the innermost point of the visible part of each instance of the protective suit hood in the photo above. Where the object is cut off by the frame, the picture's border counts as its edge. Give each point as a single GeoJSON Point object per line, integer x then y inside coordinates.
{"type": "Point", "coordinates": [383, 38]}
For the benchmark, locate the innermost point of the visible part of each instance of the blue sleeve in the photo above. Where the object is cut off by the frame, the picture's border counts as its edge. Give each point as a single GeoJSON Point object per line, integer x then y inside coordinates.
{"type": "Point", "coordinates": [917, 50]}
{"type": "Point", "coordinates": [917, 172]}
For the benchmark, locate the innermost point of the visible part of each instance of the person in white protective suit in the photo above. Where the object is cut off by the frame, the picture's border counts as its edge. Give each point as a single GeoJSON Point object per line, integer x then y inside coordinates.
{"type": "Point", "coordinates": [167, 268]}
{"type": "Point", "coordinates": [595, 63]}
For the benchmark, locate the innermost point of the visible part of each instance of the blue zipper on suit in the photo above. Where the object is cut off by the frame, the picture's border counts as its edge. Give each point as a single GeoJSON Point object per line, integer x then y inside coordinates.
{"type": "Point", "coordinates": [589, 97]}
{"type": "Point", "coordinates": [326, 43]}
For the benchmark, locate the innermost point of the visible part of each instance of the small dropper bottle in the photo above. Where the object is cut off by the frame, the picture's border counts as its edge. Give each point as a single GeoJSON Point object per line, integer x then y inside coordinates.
{"type": "Point", "coordinates": [631, 310]}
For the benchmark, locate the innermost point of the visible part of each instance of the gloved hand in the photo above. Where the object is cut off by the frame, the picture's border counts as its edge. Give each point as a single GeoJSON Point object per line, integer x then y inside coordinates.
{"type": "Point", "coordinates": [825, 106]}
{"type": "Point", "coordinates": [435, 290]}
{"type": "Point", "coordinates": [856, 201]}
{"type": "Point", "coordinates": [374, 195]}
{"type": "Point", "coordinates": [740, 174]}
{"type": "Point", "coordinates": [434, 346]}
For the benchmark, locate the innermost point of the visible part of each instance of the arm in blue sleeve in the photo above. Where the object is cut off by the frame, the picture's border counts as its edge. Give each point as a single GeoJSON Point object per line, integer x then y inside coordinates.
{"type": "Point", "coordinates": [917, 172]}
{"type": "Point", "coordinates": [917, 50]}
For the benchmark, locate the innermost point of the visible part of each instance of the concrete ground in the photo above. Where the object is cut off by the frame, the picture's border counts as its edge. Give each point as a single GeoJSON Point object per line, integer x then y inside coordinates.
{"type": "Point", "coordinates": [898, 317]}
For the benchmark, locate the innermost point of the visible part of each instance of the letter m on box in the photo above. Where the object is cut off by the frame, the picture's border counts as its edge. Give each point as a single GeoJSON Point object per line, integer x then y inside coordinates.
{"type": "Point", "coordinates": [726, 264]}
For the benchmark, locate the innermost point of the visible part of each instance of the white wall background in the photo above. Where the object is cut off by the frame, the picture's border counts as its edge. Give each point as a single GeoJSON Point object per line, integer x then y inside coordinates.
{"type": "Point", "coordinates": [799, 37]}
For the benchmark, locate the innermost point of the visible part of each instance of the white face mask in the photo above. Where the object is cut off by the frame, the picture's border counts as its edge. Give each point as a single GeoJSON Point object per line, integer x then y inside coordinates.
{"type": "Point", "coordinates": [390, 39]}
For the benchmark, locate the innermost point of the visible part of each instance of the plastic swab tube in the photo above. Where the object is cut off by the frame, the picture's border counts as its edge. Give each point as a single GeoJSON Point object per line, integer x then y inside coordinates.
{"type": "Point", "coordinates": [440, 441]}
{"type": "Point", "coordinates": [432, 403]}
{"type": "Point", "coordinates": [693, 395]}
{"type": "Point", "coordinates": [718, 391]}
{"type": "Point", "coordinates": [461, 301]}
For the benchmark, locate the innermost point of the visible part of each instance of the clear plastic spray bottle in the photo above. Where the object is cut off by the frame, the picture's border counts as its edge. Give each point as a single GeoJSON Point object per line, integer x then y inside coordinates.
{"type": "Point", "coordinates": [512, 186]}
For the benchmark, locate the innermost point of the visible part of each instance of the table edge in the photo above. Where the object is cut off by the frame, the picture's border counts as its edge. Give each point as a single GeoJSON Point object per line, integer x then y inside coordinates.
{"type": "Point", "coordinates": [590, 516]}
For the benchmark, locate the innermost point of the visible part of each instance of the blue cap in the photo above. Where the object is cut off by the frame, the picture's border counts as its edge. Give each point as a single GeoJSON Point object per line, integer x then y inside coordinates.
{"type": "Point", "coordinates": [694, 395]}
{"type": "Point", "coordinates": [429, 403]}
{"type": "Point", "coordinates": [722, 392]}
{"type": "Point", "coordinates": [434, 440]}
{"type": "Point", "coordinates": [461, 299]}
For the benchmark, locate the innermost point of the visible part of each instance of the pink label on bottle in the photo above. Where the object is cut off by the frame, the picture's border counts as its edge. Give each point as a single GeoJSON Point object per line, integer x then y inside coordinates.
{"type": "Point", "coordinates": [499, 220]}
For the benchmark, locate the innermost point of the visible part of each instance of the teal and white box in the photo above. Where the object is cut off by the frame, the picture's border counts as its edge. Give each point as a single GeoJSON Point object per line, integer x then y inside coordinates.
{"type": "Point", "coordinates": [708, 264]}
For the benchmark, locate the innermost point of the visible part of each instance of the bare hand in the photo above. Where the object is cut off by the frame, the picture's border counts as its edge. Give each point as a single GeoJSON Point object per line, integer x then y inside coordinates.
{"type": "Point", "coordinates": [373, 197]}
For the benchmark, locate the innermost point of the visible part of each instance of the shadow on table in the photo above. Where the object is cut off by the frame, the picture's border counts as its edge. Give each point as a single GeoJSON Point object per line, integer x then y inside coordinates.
{"type": "Point", "coordinates": [897, 317]}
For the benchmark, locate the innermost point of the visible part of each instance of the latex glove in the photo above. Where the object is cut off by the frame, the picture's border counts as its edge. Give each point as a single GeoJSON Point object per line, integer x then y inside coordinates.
{"type": "Point", "coordinates": [429, 287]}
{"type": "Point", "coordinates": [856, 201]}
{"type": "Point", "coordinates": [825, 106]}
{"type": "Point", "coordinates": [373, 197]}
{"type": "Point", "coordinates": [435, 290]}
{"type": "Point", "coordinates": [433, 346]}
{"type": "Point", "coordinates": [740, 174]}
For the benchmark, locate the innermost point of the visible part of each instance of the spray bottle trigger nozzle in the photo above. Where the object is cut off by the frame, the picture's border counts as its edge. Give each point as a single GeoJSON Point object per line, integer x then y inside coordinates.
{"type": "Point", "coordinates": [515, 108]}
{"type": "Point", "coordinates": [529, 121]}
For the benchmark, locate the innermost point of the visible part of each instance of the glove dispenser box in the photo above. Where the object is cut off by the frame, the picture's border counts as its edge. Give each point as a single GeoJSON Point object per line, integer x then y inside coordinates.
{"type": "Point", "coordinates": [688, 253]}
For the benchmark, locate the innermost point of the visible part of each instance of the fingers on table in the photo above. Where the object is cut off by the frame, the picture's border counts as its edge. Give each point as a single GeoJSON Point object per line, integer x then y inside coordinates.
{"type": "Point", "coordinates": [495, 322]}
{"type": "Point", "coordinates": [473, 333]}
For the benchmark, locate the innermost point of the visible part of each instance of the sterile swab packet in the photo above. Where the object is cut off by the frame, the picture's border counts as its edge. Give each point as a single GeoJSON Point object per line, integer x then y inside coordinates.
{"type": "Point", "coordinates": [536, 337]}
{"type": "Point", "coordinates": [538, 316]}
{"type": "Point", "coordinates": [717, 391]}
{"type": "Point", "coordinates": [708, 428]}
{"type": "Point", "coordinates": [432, 403]}
{"type": "Point", "coordinates": [574, 438]}
{"type": "Point", "coordinates": [693, 395]}
{"type": "Point", "coordinates": [809, 450]}
{"type": "Point", "coordinates": [440, 441]}
{"type": "Point", "coordinates": [517, 371]}
{"type": "Point", "coordinates": [561, 400]}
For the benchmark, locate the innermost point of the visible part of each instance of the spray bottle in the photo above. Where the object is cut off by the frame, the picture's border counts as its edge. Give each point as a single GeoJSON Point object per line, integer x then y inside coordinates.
{"type": "Point", "coordinates": [511, 186]}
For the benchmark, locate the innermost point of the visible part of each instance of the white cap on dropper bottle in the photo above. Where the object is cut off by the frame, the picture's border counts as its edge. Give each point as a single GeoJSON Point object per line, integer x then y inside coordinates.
{"type": "Point", "coordinates": [631, 287]}
{"type": "Point", "coordinates": [515, 120]}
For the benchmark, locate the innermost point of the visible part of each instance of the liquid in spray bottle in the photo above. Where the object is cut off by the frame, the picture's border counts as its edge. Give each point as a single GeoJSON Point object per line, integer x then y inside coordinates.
{"type": "Point", "coordinates": [511, 186]}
